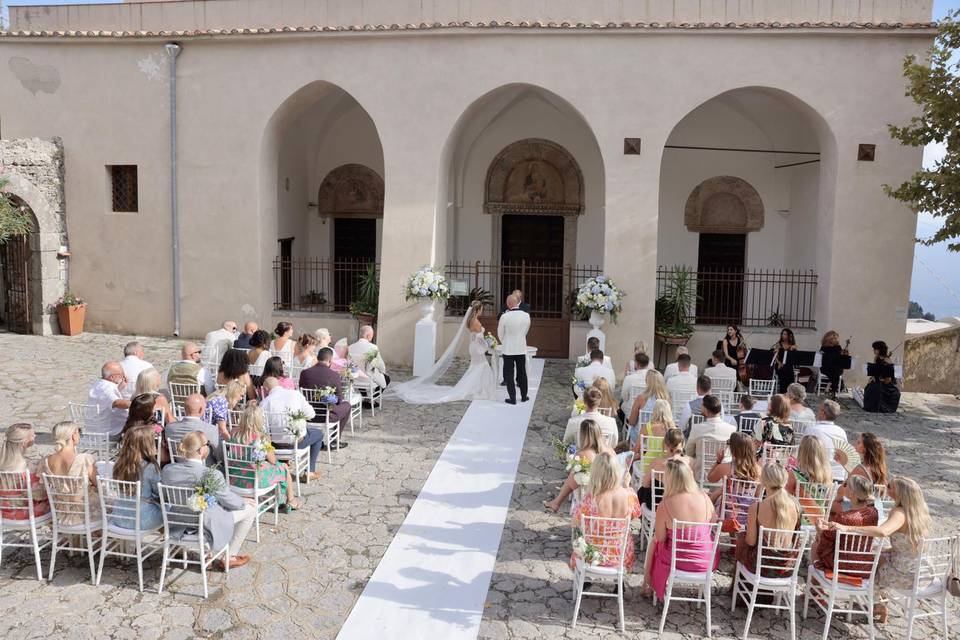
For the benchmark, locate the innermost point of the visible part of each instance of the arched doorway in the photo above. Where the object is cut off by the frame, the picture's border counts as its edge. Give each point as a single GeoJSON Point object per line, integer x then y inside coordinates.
{"type": "Point", "coordinates": [17, 287]}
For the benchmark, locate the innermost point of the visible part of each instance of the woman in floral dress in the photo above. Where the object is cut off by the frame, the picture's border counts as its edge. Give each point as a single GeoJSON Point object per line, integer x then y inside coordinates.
{"type": "Point", "coordinates": [267, 473]}
{"type": "Point", "coordinates": [592, 443]}
{"type": "Point", "coordinates": [18, 438]}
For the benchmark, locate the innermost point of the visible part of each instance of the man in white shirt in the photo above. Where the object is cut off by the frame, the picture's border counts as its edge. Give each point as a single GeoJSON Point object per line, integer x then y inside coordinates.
{"type": "Point", "coordinates": [593, 344]}
{"type": "Point", "coordinates": [596, 369]}
{"type": "Point", "coordinates": [720, 371]}
{"type": "Point", "coordinates": [133, 365]}
{"type": "Point", "coordinates": [684, 383]}
{"type": "Point", "coordinates": [674, 367]}
{"type": "Point", "coordinates": [194, 406]}
{"type": "Point", "coordinates": [825, 430]}
{"type": "Point", "coordinates": [106, 394]}
{"type": "Point", "coordinates": [693, 407]}
{"type": "Point", "coordinates": [633, 384]}
{"type": "Point", "coordinates": [226, 333]}
{"type": "Point", "coordinates": [280, 400]}
{"type": "Point", "coordinates": [188, 369]}
{"type": "Point", "coordinates": [712, 427]}
{"type": "Point", "coordinates": [358, 351]}
{"type": "Point", "coordinates": [608, 426]}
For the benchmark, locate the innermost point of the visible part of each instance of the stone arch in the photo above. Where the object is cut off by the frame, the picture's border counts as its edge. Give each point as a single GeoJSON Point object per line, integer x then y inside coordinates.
{"type": "Point", "coordinates": [352, 189]}
{"type": "Point", "coordinates": [534, 176]}
{"type": "Point", "coordinates": [724, 204]}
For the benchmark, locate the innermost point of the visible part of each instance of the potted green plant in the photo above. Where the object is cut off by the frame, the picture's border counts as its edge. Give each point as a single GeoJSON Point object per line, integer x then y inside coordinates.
{"type": "Point", "coordinates": [674, 308]}
{"type": "Point", "coordinates": [71, 311]}
{"type": "Point", "coordinates": [364, 307]}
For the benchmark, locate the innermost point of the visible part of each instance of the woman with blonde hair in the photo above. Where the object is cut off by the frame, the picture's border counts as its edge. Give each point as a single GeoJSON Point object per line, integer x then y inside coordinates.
{"type": "Point", "coordinates": [224, 400]}
{"type": "Point", "coordinates": [656, 389]}
{"type": "Point", "coordinates": [777, 510]}
{"type": "Point", "coordinates": [682, 500]}
{"type": "Point", "coordinates": [252, 431]}
{"type": "Point", "coordinates": [661, 421]}
{"type": "Point", "coordinates": [907, 524]}
{"type": "Point", "coordinates": [812, 465]}
{"type": "Point", "coordinates": [137, 461]}
{"type": "Point", "coordinates": [607, 401]}
{"type": "Point", "coordinates": [590, 443]}
{"type": "Point", "coordinates": [67, 461]}
{"type": "Point", "coordinates": [323, 338]}
{"type": "Point", "coordinates": [673, 449]}
{"type": "Point", "coordinates": [148, 382]}
{"type": "Point", "coordinates": [606, 497]}
{"type": "Point", "coordinates": [305, 351]}
{"type": "Point", "coordinates": [17, 439]}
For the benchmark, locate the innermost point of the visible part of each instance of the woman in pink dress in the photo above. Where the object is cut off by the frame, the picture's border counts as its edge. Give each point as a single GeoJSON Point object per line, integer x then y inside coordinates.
{"type": "Point", "coordinates": [685, 501]}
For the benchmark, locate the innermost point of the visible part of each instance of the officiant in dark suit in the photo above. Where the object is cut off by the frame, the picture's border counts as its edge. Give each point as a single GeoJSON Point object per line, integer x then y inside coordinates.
{"type": "Point", "coordinates": [523, 305]}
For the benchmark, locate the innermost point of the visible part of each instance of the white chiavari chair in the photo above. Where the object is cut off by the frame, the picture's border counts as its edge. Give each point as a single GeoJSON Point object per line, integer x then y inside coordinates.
{"type": "Point", "coordinates": [183, 531]}
{"type": "Point", "coordinates": [240, 466]}
{"type": "Point", "coordinates": [691, 538]}
{"type": "Point", "coordinates": [648, 517]}
{"type": "Point", "coordinates": [735, 500]}
{"type": "Point", "coordinates": [120, 510]}
{"type": "Point", "coordinates": [180, 390]}
{"type": "Point", "coordinates": [762, 388]}
{"type": "Point", "coordinates": [286, 450]}
{"type": "Point", "coordinates": [331, 429]}
{"type": "Point", "coordinates": [930, 582]}
{"type": "Point", "coordinates": [19, 520]}
{"type": "Point", "coordinates": [610, 536]}
{"type": "Point", "coordinates": [708, 449]}
{"type": "Point", "coordinates": [748, 425]}
{"type": "Point", "coordinates": [781, 453]}
{"type": "Point", "coordinates": [72, 519]}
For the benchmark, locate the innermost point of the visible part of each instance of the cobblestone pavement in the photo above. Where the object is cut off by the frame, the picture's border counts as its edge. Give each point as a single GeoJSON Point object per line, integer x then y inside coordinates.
{"type": "Point", "coordinates": [307, 573]}
{"type": "Point", "coordinates": [531, 590]}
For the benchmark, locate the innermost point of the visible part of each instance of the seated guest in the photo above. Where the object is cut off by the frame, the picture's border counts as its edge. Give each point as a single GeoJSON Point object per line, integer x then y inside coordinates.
{"type": "Point", "coordinates": [713, 426]}
{"type": "Point", "coordinates": [608, 425]}
{"type": "Point", "coordinates": [235, 366]}
{"type": "Point", "coordinates": [673, 446]}
{"type": "Point", "coordinates": [222, 339]}
{"type": "Point", "coordinates": [259, 354]}
{"type": "Point", "coordinates": [633, 384]}
{"type": "Point", "coordinates": [674, 367]}
{"type": "Point", "coordinates": [321, 375]}
{"type": "Point", "coordinates": [107, 395]}
{"type": "Point", "coordinates": [796, 397]}
{"type": "Point", "coordinates": [593, 344]}
{"type": "Point", "coordinates": [661, 421]}
{"type": "Point", "coordinates": [133, 364]}
{"type": "Point", "coordinates": [243, 340]}
{"type": "Point", "coordinates": [775, 426]}
{"type": "Point", "coordinates": [269, 473]}
{"type": "Point", "coordinates": [590, 443]}
{"type": "Point", "coordinates": [746, 410]}
{"type": "Point", "coordinates": [861, 513]}
{"type": "Point", "coordinates": [692, 408]}
{"type": "Point", "coordinates": [606, 497]}
{"type": "Point", "coordinates": [142, 413]}
{"type": "Point", "coordinates": [194, 408]}
{"type": "Point", "coordinates": [323, 337]}
{"type": "Point", "coordinates": [219, 405]}
{"type": "Point", "coordinates": [656, 389]}
{"type": "Point", "coordinates": [873, 462]}
{"type": "Point", "coordinates": [633, 364]}
{"type": "Point", "coordinates": [607, 401]}
{"type": "Point", "coordinates": [149, 384]}
{"type": "Point", "coordinates": [226, 521]}
{"type": "Point", "coordinates": [881, 395]}
{"type": "Point", "coordinates": [279, 400]}
{"type": "Point", "coordinates": [596, 369]}
{"type": "Point", "coordinates": [906, 526]}
{"type": "Point", "coordinates": [283, 343]}
{"type": "Point", "coordinates": [741, 465]}
{"type": "Point", "coordinates": [825, 430]}
{"type": "Point", "coordinates": [137, 462]}
{"type": "Point", "coordinates": [832, 365]}
{"type": "Point", "coordinates": [685, 380]}
{"type": "Point", "coordinates": [17, 440]}
{"type": "Point", "coordinates": [67, 461]}
{"type": "Point", "coordinates": [188, 370]}
{"type": "Point", "coordinates": [685, 501]}
{"type": "Point", "coordinates": [720, 371]}
{"type": "Point", "coordinates": [274, 369]}
{"type": "Point", "coordinates": [777, 510]}
{"type": "Point", "coordinates": [359, 351]}
{"type": "Point", "coordinates": [305, 351]}
{"type": "Point", "coordinates": [812, 465]}
{"type": "Point", "coordinates": [729, 348]}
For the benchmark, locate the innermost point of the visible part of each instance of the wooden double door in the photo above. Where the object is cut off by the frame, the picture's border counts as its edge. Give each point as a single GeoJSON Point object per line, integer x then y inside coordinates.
{"type": "Point", "coordinates": [15, 267]}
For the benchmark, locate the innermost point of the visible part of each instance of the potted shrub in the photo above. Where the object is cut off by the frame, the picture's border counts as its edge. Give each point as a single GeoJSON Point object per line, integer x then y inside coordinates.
{"type": "Point", "coordinates": [71, 311]}
{"type": "Point", "coordinates": [674, 308]}
{"type": "Point", "coordinates": [364, 307]}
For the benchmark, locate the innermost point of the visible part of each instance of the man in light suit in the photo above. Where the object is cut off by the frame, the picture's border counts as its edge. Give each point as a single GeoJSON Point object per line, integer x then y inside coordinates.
{"type": "Point", "coordinates": [674, 367]}
{"type": "Point", "coordinates": [358, 351]}
{"type": "Point", "coordinates": [512, 331]}
{"type": "Point", "coordinates": [229, 520]}
{"type": "Point", "coordinates": [596, 369]}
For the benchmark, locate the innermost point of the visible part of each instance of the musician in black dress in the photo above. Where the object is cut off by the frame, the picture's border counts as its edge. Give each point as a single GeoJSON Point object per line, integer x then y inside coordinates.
{"type": "Point", "coordinates": [784, 371]}
{"type": "Point", "coordinates": [831, 364]}
{"type": "Point", "coordinates": [729, 345]}
{"type": "Point", "coordinates": [881, 395]}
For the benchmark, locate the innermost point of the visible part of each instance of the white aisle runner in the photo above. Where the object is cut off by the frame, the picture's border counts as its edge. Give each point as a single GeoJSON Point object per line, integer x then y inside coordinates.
{"type": "Point", "coordinates": [432, 582]}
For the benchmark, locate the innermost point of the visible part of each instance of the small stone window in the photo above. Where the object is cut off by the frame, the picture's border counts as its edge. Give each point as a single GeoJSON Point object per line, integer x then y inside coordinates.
{"type": "Point", "coordinates": [123, 187]}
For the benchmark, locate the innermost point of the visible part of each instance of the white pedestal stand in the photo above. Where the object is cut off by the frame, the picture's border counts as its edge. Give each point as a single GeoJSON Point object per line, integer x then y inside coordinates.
{"type": "Point", "coordinates": [425, 340]}
{"type": "Point", "coordinates": [596, 321]}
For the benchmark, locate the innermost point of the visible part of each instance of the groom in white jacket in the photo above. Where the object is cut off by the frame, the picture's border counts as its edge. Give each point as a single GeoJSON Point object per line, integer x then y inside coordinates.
{"type": "Point", "coordinates": [512, 331]}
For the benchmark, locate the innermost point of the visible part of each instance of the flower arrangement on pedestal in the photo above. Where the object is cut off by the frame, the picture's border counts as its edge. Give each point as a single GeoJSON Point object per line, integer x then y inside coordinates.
{"type": "Point", "coordinates": [427, 283]}
{"type": "Point", "coordinates": [600, 296]}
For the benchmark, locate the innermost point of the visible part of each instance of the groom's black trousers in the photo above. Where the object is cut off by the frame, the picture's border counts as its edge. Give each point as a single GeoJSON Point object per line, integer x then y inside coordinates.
{"type": "Point", "coordinates": [520, 364]}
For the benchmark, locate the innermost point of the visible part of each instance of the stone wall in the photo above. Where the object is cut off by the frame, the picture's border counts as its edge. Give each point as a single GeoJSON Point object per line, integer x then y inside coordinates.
{"type": "Point", "coordinates": [34, 170]}
{"type": "Point", "coordinates": [931, 362]}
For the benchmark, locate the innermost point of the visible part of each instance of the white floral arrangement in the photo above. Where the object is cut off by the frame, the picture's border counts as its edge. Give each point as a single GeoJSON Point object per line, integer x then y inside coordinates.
{"type": "Point", "coordinates": [297, 425]}
{"type": "Point", "coordinates": [580, 468]}
{"type": "Point", "coordinates": [588, 552]}
{"type": "Point", "coordinates": [427, 283]}
{"type": "Point", "coordinates": [600, 294]}
{"type": "Point", "coordinates": [371, 355]}
{"type": "Point", "coordinates": [350, 374]}
{"type": "Point", "coordinates": [491, 341]}
{"type": "Point", "coordinates": [583, 361]}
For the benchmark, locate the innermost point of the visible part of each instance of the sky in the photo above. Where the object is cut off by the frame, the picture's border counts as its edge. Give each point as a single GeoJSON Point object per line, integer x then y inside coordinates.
{"type": "Point", "coordinates": [936, 271]}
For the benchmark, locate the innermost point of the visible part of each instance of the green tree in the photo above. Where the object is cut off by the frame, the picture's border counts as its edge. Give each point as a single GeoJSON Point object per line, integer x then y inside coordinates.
{"type": "Point", "coordinates": [934, 84]}
{"type": "Point", "coordinates": [14, 221]}
{"type": "Point", "coordinates": [916, 311]}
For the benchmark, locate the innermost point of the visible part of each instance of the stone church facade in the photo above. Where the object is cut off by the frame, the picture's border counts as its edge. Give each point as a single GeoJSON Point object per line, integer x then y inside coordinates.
{"type": "Point", "coordinates": [520, 143]}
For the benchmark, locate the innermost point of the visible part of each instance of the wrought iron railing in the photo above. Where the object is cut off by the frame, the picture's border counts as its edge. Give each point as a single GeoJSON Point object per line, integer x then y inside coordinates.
{"type": "Point", "coordinates": [752, 297]}
{"type": "Point", "coordinates": [317, 284]}
{"type": "Point", "coordinates": [547, 287]}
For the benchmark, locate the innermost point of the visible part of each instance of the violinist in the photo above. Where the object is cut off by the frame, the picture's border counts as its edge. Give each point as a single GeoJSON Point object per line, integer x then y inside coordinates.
{"type": "Point", "coordinates": [831, 366]}
{"type": "Point", "coordinates": [784, 371]}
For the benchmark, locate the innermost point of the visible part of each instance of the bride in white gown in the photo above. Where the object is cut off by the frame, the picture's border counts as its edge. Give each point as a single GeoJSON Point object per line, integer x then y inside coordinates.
{"type": "Point", "coordinates": [478, 383]}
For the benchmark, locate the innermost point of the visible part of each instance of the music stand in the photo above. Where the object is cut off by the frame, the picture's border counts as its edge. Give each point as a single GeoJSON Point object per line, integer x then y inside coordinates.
{"type": "Point", "coordinates": [801, 358]}
{"type": "Point", "coordinates": [762, 357]}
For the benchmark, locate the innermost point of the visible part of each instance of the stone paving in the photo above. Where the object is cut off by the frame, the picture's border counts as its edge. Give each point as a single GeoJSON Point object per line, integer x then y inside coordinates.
{"type": "Point", "coordinates": [307, 573]}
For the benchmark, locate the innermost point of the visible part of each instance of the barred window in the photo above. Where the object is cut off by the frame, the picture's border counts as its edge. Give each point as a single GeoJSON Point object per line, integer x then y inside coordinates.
{"type": "Point", "coordinates": [123, 186]}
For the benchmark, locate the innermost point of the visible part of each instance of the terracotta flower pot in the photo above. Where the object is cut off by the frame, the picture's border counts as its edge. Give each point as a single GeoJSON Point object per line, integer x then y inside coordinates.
{"type": "Point", "coordinates": [71, 319]}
